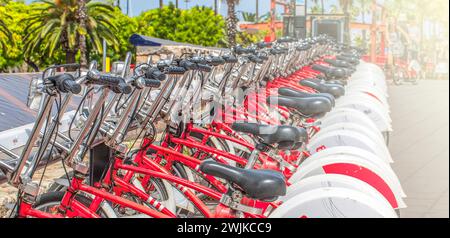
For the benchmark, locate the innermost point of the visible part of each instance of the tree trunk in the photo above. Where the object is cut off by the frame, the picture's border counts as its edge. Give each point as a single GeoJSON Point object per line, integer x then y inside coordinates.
{"type": "Point", "coordinates": [231, 23]}
{"type": "Point", "coordinates": [161, 4]}
{"type": "Point", "coordinates": [323, 7]}
{"type": "Point", "coordinates": [82, 18]}
{"type": "Point", "coordinates": [215, 7]}
{"type": "Point", "coordinates": [32, 65]}
{"type": "Point", "coordinates": [257, 11]}
{"type": "Point", "coordinates": [70, 53]}
{"type": "Point", "coordinates": [421, 32]}
{"type": "Point", "coordinates": [70, 56]}
{"type": "Point", "coordinates": [364, 38]}
{"type": "Point", "coordinates": [346, 24]}
{"type": "Point", "coordinates": [176, 3]}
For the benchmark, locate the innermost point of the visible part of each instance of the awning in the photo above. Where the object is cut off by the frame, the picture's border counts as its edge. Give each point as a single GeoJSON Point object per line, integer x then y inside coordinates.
{"type": "Point", "coordinates": [141, 40]}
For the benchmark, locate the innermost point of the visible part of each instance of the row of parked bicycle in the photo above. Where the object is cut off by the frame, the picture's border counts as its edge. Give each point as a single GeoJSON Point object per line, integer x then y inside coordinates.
{"type": "Point", "coordinates": [292, 128]}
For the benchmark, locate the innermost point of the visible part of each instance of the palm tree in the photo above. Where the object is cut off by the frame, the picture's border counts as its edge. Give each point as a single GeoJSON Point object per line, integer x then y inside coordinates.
{"type": "Point", "coordinates": [257, 10]}
{"type": "Point", "coordinates": [69, 25]}
{"type": "Point", "coordinates": [334, 9]}
{"type": "Point", "coordinates": [316, 9]}
{"type": "Point", "coordinates": [364, 6]}
{"type": "Point", "coordinates": [215, 7]}
{"type": "Point", "coordinates": [322, 6]}
{"type": "Point", "coordinates": [5, 35]}
{"type": "Point", "coordinates": [345, 6]}
{"type": "Point", "coordinates": [232, 21]}
{"type": "Point", "coordinates": [248, 16]}
{"type": "Point", "coordinates": [81, 16]}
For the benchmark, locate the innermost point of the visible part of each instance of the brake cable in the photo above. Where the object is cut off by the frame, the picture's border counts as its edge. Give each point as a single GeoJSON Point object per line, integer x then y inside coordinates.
{"type": "Point", "coordinates": [76, 112]}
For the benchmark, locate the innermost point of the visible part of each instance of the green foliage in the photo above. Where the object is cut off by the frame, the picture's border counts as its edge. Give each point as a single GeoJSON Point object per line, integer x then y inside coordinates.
{"type": "Point", "coordinates": [13, 14]}
{"type": "Point", "coordinates": [198, 25]}
{"type": "Point", "coordinates": [5, 34]}
{"type": "Point", "coordinates": [128, 26]}
{"type": "Point", "coordinates": [54, 25]}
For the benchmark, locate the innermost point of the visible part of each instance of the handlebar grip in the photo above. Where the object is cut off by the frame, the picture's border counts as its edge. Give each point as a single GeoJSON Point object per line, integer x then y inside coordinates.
{"type": "Point", "coordinates": [153, 83]}
{"type": "Point", "coordinates": [215, 60]}
{"type": "Point", "coordinates": [263, 57]}
{"type": "Point", "coordinates": [204, 67]}
{"type": "Point", "coordinates": [155, 73]}
{"type": "Point", "coordinates": [65, 83]}
{"type": "Point", "coordinates": [117, 84]}
{"type": "Point", "coordinates": [198, 60]}
{"type": "Point", "coordinates": [122, 87]}
{"type": "Point", "coordinates": [262, 44]}
{"type": "Point", "coordinates": [274, 51]}
{"type": "Point", "coordinates": [240, 50]}
{"type": "Point", "coordinates": [175, 70]}
{"type": "Point", "coordinates": [187, 64]}
{"type": "Point", "coordinates": [103, 79]}
{"type": "Point", "coordinates": [304, 47]}
{"type": "Point", "coordinates": [286, 40]}
{"type": "Point", "coordinates": [283, 50]}
{"type": "Point", "coordinates": [255, 59]}
{"type": "Point", "coordinates": [230, 59]}
{"type": "Point", "coordinates": [71, 86]}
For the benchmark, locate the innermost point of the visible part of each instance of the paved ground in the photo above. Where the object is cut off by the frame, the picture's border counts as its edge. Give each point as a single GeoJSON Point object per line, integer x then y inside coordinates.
{"type": "Point", "coordinates": [420, 145]}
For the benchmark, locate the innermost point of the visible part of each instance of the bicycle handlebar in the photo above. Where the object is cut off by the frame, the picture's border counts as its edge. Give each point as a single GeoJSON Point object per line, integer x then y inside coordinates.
{"type": "Point", "coordinates": [304, 47]}
{"type": "Point", "coordinates": [187, 64]}
{"type": "Point", "coordinates": [215, 60]}
{"type": "Point", "coordinates": [240, 50]}
{"type": "Point", "coordinates": [262, 45]}
{"type": "Point", "coordinates": [65, 83]}
{"type": "Point", "coordinates": [116, 83]}
{"type": "Point", "coordinates": [286, 40]}
{"type": "Point", "coordinates": [153, 83]}
{"type": "Point", "coordinates": [204, 67]}
{"type": "Point", "coordinates": [230, 58]}
{"type": "Point", "coordinates": [198, 60]}
{"type": "Point", "coordinates": [264, 57]}
{"type": "Point", "coordinates": [255, 59]}
{"type": "Point", "coordinates": [155, 73]}
{"type": "Point", "coordinates": [175, 70]}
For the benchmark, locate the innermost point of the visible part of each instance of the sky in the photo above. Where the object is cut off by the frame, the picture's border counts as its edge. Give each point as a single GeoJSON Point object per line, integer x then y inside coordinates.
{"type": "Point", "coordinates": [138, 6]}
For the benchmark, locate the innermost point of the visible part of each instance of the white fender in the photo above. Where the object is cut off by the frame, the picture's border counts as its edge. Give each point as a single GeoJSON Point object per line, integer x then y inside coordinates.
{"type": "Point", "coordinates": [353, 153]}
{"type": "Point", "coordinates": [373, 95]}
{"type": "Point", "coordinates": [348, 115]}
{"type": "Point", "coordinates": [332, 180]}
{"type": "Point", "coordinates": [354, 166]}
{"type": "Point", "coordinates": [373, 81]}
{"type": "Point", "coordinates": [347, 150]}
{"type": "Point", "coordinates": [368, 101]}
{"type": "Point", "coordinates": [380, 119]}
{"type": "Point", "coordinates": [367, 89]}
{"type": "Point", "coordinates": [349, 138]}
{"type": "Point", "coordinates": [374, 135]}
{"type": "Point", "coordinates": [333, 202]}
